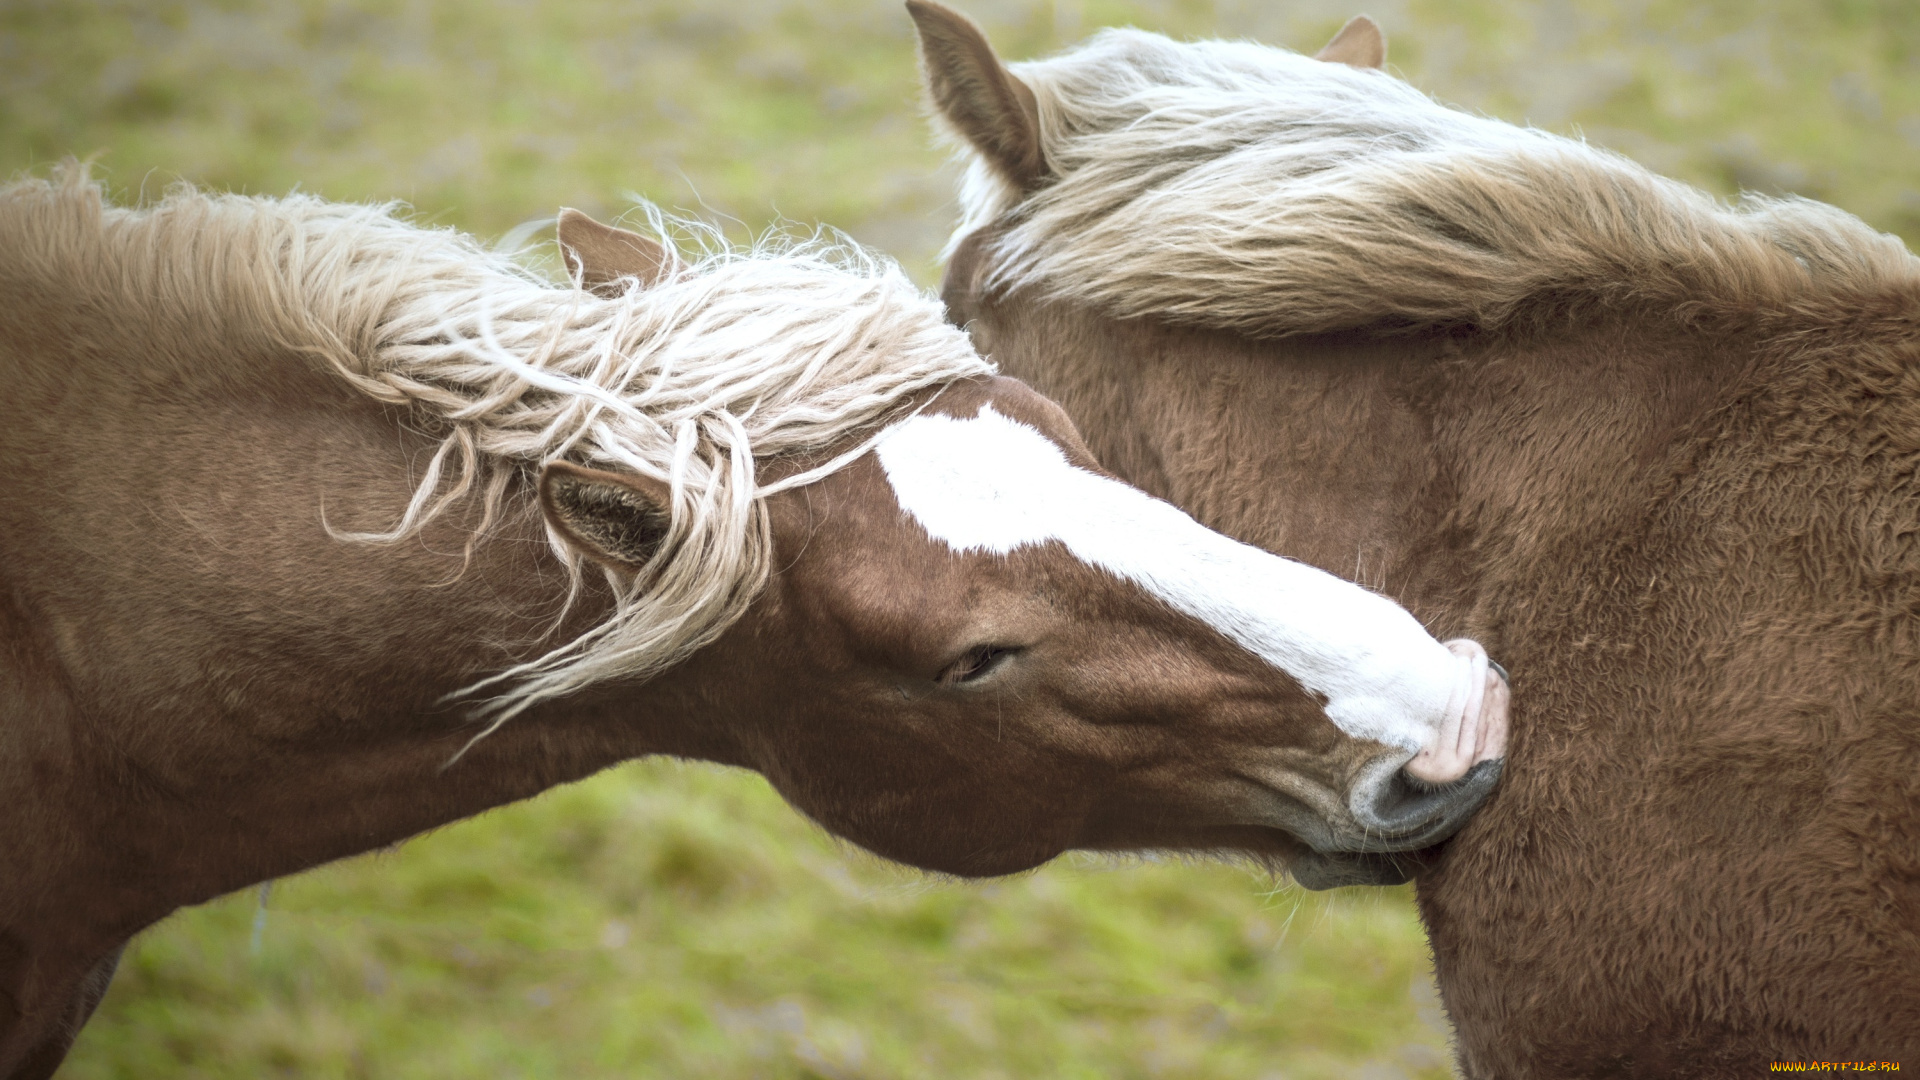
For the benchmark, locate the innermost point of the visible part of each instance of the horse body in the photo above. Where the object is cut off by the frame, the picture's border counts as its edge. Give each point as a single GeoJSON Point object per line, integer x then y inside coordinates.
{"type": "Point", "coordinates": [223, 663]}
{"type": "Point", "coordinates": [1706, 854]}
{"type": "Point", "coordinates": [1689, 521]}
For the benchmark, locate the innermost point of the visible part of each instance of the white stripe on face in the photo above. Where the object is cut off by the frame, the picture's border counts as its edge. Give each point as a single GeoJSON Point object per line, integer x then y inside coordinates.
{"type": "Point", "coordinates": [993, 484]}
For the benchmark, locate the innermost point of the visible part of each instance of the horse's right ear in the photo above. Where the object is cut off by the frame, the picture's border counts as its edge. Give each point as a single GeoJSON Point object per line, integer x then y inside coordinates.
{"type": "Point", "coordinates": [975, 93]}
{"type": "Point", "coordinates": [1359, 44]}
{"type": "Point", "coordinates": [616, 519]}
{"type": "Point", "coordinates": [601, 255]}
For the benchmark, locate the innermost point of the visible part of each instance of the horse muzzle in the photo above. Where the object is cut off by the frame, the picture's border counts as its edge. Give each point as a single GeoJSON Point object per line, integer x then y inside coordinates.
{"type": "Point", "coordinates": [1395, 809]}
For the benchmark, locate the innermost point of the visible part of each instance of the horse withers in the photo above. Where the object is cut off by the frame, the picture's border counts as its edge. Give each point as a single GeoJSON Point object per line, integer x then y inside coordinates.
{"type": "Point", "coordinates": [321, 529]}
{"type": "Point", "coordinates": [1661, 454]}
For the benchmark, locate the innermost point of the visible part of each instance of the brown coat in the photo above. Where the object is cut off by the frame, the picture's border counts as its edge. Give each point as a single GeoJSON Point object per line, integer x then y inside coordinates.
{"type": "Point", "coordinates": [1690, 525]}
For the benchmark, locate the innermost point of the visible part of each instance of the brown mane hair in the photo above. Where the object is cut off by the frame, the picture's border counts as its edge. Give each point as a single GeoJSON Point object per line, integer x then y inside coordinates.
{"type": "Point", "coordinates": [689, 381]}
{"type": "Point", "coordinates": [1239, 187]}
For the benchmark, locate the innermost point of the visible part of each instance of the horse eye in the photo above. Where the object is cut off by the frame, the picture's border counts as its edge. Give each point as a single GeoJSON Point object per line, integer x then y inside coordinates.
{"type": "Point", "coordinates": [977, 664]}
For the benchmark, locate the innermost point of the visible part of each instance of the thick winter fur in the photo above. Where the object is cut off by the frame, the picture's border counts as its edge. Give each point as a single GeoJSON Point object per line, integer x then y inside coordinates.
{"type": "Point", "coordinates": [1662, 457]}
{"type": "Point", "coordinates": [749, 354]}
{"type": "Point", "coordinates": [1230, 185]}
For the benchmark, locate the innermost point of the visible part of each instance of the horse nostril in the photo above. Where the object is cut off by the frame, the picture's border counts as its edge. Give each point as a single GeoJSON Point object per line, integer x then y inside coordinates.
{"type": "Point", "coordinates": [1404, 807]}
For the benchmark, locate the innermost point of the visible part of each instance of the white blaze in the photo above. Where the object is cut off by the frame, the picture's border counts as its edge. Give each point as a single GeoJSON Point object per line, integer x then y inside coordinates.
{"type": "Point", "coordinates": [993, 484]}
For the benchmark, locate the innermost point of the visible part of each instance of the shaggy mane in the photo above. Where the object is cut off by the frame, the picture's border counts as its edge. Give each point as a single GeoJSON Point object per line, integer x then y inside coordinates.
{"type": "Point", "coordinates": [785, 348]}
{"type": "Point", "coordinates": [1242, 187]}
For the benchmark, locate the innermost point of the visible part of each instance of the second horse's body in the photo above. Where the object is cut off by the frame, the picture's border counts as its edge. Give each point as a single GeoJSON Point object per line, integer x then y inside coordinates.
{"type": "Point", "coordinates": [1662, 453]}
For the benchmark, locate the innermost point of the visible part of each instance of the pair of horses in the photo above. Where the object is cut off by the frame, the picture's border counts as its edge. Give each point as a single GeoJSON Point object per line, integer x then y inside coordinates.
{"type": "Point", "coordinates": [321, 529]}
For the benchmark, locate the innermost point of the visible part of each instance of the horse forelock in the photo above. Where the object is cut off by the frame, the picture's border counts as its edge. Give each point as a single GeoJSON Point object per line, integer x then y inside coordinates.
{"type": "Point", "coordinates": [1243, 187]}
{"type": "Point", "coordinates": [784, 348]}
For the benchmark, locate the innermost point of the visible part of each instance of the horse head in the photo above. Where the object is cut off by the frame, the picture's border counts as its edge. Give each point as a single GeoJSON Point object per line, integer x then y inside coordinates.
{"type": "Point", "coordinates": [979, 649]}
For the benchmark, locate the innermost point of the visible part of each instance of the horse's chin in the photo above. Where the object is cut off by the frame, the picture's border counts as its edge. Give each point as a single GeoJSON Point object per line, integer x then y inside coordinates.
{"type": "Point", "coordinates": [1322, 871]}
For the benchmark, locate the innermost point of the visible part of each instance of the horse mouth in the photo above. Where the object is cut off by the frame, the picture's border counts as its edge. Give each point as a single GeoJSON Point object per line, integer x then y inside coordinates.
{"type": "Point", "coordinates": [1403, 819]}
{"type": "Point", "coordinates": [1400, 818]}
{"type": "Point", "coordinates": [1395, 808]}
{"type": "Point", "coordinates": [1402, 813]}
{"type": "Point", "coordinates": [1376, 824]}
{"type": "Point", "coordinates": [1387, 810]}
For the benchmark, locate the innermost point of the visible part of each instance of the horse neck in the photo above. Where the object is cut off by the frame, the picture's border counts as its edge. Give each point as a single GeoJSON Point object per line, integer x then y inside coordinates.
{"type": "Point", "coordinates": [1425, 466]}
{"type": "Point", "coordinates": [212, 689]}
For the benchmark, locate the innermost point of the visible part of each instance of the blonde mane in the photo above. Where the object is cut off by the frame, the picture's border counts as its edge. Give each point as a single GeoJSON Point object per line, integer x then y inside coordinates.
{"type": "Point", "coordinates": [786, 348]}
{"type": "Point", "coordinates": [1236, 186]}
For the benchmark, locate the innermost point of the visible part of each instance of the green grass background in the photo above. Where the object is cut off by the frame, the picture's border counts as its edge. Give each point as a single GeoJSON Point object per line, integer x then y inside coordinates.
{"type": "Point", "coordinates": [668, 920]}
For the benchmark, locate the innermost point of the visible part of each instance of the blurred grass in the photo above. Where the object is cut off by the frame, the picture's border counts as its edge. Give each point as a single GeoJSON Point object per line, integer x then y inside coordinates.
{"type": "Point", "coordinates": [486, 115]}
{"type": "Point", "coordinates": [676, 921]}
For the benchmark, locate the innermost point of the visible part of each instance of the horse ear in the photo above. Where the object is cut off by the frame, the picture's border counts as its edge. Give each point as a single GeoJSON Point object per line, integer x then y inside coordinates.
{"type": "Point", "coordinates": [618, 520]}
{"type": "Point", "coordinates": [974, 92]}
{"type": "Point", "coordinates": [601, 255]}
{"type": "Point", "coordinates": [1358, 44]}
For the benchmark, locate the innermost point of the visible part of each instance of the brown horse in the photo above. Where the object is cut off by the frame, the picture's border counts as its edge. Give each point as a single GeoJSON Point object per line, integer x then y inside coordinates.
{"type": "Point", "coordinates": [1659, 452]}
{"type": "Point", "coordinates": [320, 529]}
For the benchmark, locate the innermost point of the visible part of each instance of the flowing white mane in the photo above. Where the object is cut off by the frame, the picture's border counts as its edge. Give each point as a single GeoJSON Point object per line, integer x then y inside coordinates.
{"type": "Point", "coordinates": [782, 349]}
{"type": "Point", "coordinates": [1243, 187]}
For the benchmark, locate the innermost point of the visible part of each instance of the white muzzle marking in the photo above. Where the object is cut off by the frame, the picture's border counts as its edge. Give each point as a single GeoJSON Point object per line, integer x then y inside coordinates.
{"type": "Point", "coordinates": [992, 484]}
